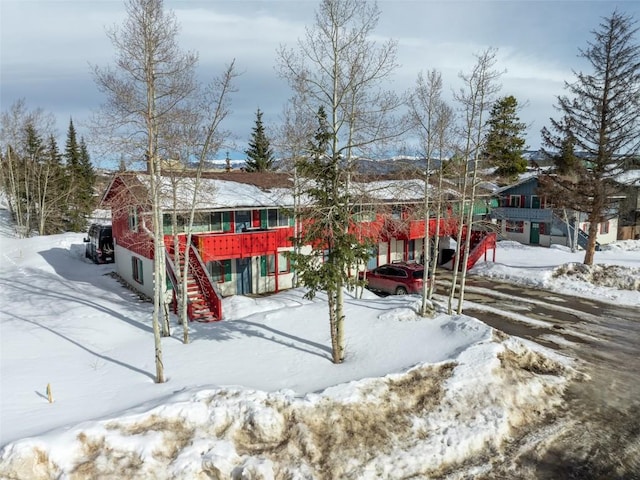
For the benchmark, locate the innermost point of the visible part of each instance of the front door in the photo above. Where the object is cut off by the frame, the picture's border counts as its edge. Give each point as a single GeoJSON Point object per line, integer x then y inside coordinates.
{"type": "Point", "coordinates": [243, 282]}
{"type": "Point", "coordinates": [534, 236]}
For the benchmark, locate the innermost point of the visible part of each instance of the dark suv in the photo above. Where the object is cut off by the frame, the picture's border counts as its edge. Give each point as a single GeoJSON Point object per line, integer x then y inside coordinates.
{"type": "Point", "coordinates": [396, 278]}
{"type": "Point", "coordinates": [99, 242]}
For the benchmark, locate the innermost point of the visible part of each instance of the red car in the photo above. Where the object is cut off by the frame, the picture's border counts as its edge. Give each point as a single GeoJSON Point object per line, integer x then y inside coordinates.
{"type": "Point", "coordinates": [396, 278]}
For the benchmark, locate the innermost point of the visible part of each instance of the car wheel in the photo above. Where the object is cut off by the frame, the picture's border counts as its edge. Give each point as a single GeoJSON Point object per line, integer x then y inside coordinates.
{"type": "Point", "coordinates": [401, 291]}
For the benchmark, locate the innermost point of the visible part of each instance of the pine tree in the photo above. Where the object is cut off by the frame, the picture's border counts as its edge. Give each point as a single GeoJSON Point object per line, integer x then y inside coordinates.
{"type": "Point", "coordinates": [259, 154]}
{"type": "Point", "coordinates": [566, 161]}
{"type": "Point", "coordinates": [53, 190]}
{"type": "Point", "coordinates": [76, 221]}
{"type": "Point", "coordinates": [325, 220]}
{"type": "Point", "coordinates": [86, 199]}
{"type": "Point", "coordinates": [504, 142]}
{"type": "Point", "coordinates": [601, 119]}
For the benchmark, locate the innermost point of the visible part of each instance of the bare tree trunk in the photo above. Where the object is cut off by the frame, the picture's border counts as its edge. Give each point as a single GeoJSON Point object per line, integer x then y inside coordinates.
{"type": "Point", "coordinates": [569, 236]}
{"type": "Point", "coordinates": [333, 326]}
{"type": "Point", "coordinates": [456, 261]}
{"type": "Point", "coordinates": [339, 353]}
{"type": "Point", "coordinates": [594, 219]}
{"type": "Point", "coordinates": [152, 79]}
{"type": "Point", "coordinates": [436, 248]}
{"type": "Point", "coordinates": [476, 100]}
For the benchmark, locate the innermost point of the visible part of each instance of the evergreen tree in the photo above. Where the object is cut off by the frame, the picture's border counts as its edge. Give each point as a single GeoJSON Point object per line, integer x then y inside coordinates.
{"type": "Point", "coordinates": [326, 220]}
{"type": "Point", "coordinates": [53, 190]}
{"type": "Point", "coordinates": [33, 151]}
{"type": "Point", "coordinates": [600, 119]}
{"type": "Point", "coordinates": [504, 142]}
{"type": "Point", "coordinates": [566, 161]}
{"type": "Point", "coordinates": [76, 221]}
{"type": "Point", "coordinates": [86, 199]}
{"type": "Point", "coordinates": [259, 154]}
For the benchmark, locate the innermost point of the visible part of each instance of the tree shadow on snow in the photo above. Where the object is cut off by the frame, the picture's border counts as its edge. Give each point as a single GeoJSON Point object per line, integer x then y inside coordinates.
{"type": "Point", "coordinates": [86, 349]}
{"type": "Point", "coordinates": [253, 329]}
{"type": "Point", "coordinates": [23, 291]}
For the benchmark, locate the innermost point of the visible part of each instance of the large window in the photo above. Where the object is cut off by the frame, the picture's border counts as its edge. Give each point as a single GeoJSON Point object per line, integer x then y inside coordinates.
{"type": "Point", "coordinates": [268, 264]}
{"type": "Point", "coordinates": [277, 218]}
{"type": "Point", "coordinates": [243, 220]}
{"type": "Point", "coordinates": [136, 269]}
{"type": "Point", "coordinates": [514, 201]}
{"type": "Point", "coordinates": [515, 226]}
{"type": "Point", "coordinates": [202, 222]}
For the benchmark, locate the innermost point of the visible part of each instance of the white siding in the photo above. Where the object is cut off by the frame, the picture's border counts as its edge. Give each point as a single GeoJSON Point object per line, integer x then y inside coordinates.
{"type": "Point", "coordinates": [125, 270]}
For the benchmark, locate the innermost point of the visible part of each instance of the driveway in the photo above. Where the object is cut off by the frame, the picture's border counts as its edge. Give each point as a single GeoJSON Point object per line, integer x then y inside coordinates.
{"type": "Point", "coordinates": [597, 435]}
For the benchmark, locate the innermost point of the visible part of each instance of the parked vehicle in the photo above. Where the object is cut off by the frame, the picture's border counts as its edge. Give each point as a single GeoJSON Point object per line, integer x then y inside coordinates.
{"type": "Point", "coordinates": [99, 242]}
{"type": "Point", "coordinates": [396, 278]}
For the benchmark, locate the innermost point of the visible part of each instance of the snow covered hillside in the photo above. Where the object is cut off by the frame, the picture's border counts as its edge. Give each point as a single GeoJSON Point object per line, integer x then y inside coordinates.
{"type": "Point", "coordinates": [254, 396]}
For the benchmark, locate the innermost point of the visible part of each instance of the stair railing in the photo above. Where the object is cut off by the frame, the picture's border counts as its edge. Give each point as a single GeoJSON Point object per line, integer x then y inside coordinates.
{"type": "Point", "coordinates": [171, 272]}
{"type": "Point", "coordinates": [210, 292]}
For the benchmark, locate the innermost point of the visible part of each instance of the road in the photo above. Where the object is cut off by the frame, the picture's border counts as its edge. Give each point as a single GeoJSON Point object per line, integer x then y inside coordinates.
{"type": "Point", "coordinates": [597, 436]}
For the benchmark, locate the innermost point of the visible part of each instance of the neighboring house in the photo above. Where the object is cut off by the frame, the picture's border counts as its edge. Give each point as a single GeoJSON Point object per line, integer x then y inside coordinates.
{"type": "Point", "coordinates": [629, 226]}
{"type": "Point", "coordinates": [244, 226]}
{"type": "Point", "coordinates": [524, 216]}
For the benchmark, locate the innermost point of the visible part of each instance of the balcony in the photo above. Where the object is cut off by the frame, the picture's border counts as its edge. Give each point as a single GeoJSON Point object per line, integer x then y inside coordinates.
{"type": "Point", "coordinates": [217, 246]}
{"type": "Point", "coordinates": [527, 214]}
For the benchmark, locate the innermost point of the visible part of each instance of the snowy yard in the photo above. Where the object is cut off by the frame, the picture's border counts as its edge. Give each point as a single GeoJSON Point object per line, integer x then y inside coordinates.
{"type": "Point", "coordinates": [256, 396]}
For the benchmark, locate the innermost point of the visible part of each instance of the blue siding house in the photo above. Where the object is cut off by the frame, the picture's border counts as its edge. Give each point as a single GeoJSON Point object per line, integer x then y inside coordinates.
{"type": "Point", "coordinates": [525, 216]}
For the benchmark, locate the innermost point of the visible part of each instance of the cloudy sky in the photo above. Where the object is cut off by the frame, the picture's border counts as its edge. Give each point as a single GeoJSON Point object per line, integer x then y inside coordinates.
{"type": "Point", "coordinates": [49, 45]}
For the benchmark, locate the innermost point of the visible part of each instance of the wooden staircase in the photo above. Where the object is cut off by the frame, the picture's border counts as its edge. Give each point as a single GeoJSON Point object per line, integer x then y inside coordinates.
{"type": "Point", "coordinates": [203, 300]}
{"type": "Point", "coordinates": [481, 242]}
{"type": "Point", "coordinates": [198, 308]}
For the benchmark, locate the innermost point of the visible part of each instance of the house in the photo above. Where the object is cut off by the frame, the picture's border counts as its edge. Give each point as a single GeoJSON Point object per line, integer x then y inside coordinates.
{"type": "Point", "coordinates": [629, 225]}
{"type": "Point", "coordinates": [243, 228]}
{"type": "Point", "coordinates": [525, 216]}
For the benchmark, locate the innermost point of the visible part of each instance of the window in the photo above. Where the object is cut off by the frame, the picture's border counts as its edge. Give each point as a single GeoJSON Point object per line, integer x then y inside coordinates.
{"type": "Point", "coordinates": [136, 269]}
{"type": "Point", "coordinates": [535, 201]}
{"type": "Point", "coordinates": [514, 201]}
{"type": "Point", "coordinates": [220, 270]}
{"type": "Point", "coordinates": [363, 214]}
{"type": "Point", "coordinates": [411, 250]}
{"type": "Point", "coordinates": [133, 219]}
{"type": "Point", "coordinates": [243, 220]}
{"type": "Point", "coordinates": [604, 228]}
{"type": "Point", "coordinates": [216, 221]}
{"type": "Point", "coordinates": [396, 212]}
{"type": "Point", "coordinates": [515, 226]}
{"type": "Point", "coordinates": [277, 218]}
{"type": "Point", "coordinates": [268, 264]}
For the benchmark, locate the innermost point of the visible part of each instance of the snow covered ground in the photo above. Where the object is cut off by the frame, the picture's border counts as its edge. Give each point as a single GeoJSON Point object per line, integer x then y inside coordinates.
{"type": "Point", "coordinates": [256, 396]}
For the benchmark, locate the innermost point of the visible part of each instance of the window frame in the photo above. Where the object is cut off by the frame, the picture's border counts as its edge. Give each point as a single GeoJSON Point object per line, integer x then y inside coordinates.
{"type": "Point", "coordinates": [515, 226]}
{"type": "Point", "coordinates": [137, 272]}
{"type": "Point", "coordinates": [277, 219]}
{"type": "Point", "coordinates": [133, 219]}
{"type": "Point", "coordinates": [220, 271]}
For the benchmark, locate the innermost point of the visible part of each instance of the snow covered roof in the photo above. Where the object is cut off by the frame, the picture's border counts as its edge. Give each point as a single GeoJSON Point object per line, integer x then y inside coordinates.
{"type": "Point", "coordinates": [270, 189]}
{"type": "Point", "coordinates": [216, 191]}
